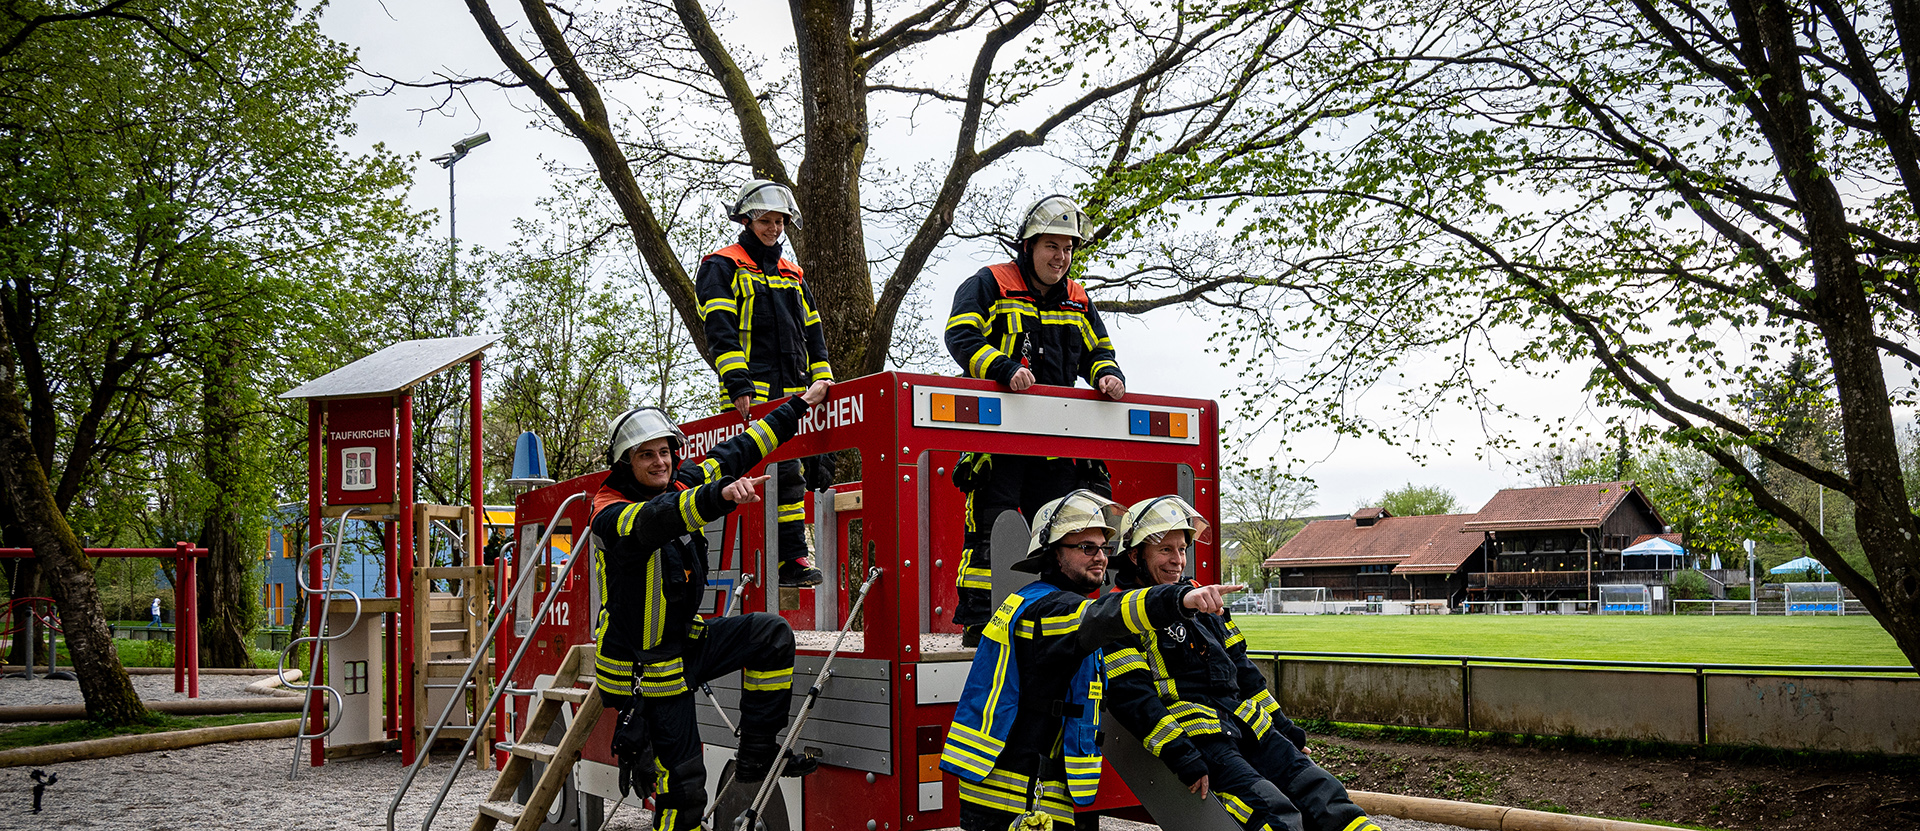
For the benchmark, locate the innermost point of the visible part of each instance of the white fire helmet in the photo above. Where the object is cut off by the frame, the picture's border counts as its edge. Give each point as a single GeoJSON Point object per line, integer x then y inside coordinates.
{"type": "Point", "coordinates": [1077, 511]}
{"type": "Point", "coordinates": [1056, 214]}
{"type": "Point", "coordinates": [759, 196]}
{"type": "Point", "coordinates": [638, 426]}
{"type": "Point", "coordinates": [1159, 515]}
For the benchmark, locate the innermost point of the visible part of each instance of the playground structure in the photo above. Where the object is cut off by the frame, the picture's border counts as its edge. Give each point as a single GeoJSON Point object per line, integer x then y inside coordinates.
{"type": "Point", "coordinates": [384, 655]}
{"type": "Point", "coordinates": [186, 603]}
{"type": "Point", "coordinates": [383, 667]}
{"type": "Point", "coordinates": [879, 720]}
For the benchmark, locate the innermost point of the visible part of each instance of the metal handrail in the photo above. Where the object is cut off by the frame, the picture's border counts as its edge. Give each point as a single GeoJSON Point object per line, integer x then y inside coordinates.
{"type": "Point", "coordinates": [1648, 665]}
{"type": "Point", "coordinates": [459, 541]}
{"type": "Point", "coordinates": [480, 652]}
{"type": "Point", "coordinates": [322, 595]}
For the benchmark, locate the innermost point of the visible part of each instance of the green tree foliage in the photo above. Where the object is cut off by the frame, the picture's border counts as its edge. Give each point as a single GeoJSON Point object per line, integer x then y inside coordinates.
{"type": "Point", "coordinates": [582, 345]}
{"type": "Point", "coordinates": [1415, 500]}
{"type": "Point", "coordinates": [1668, 199]}
{"type": "Point", "coordinates": [1110, 90]}
{"type": "Point", "coordinates": [1261, 509]}
{"type": "Point", "coordinates": [170, 199]}
{"type": "Point", "coordinates": [1703, 503]}
{"type": "Point", "coordinates": [1690, 585]}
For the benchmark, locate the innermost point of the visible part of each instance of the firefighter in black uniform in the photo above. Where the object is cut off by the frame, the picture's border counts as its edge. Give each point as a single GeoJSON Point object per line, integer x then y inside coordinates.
{"type": "Point", "coordinates": [652, 646]}
{"type": "Point", "coordinates": [1024, 737]}
{"type": "Point", "coordinates": [767, 344]}
{"type": "Point", "coordinates": [1024, 323]}
{"type": "Point", "coordinates": [1188, 690]}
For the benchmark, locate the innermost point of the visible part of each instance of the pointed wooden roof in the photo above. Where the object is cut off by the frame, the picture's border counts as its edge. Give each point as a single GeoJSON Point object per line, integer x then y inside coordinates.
{"type": "Point", "coordinates": [1566, 506]}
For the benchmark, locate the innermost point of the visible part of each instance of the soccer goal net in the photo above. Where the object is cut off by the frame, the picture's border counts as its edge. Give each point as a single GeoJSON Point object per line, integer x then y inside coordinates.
{"type": "Point", "coordinates": [1310, 600]}
{"type": "Point", "coordinates": [1814, 599]}
{"type": "Point", "coordinates": [1625, 599]}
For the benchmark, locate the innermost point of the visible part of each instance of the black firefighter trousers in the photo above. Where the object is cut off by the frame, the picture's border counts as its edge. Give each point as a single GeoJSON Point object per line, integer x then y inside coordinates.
{"type": "Point", "coordinates": [1012, 483]}
{"type": "Point", "coordinates": [1269, 782]}
{"type": "Point", "coordinates": [761, 644]}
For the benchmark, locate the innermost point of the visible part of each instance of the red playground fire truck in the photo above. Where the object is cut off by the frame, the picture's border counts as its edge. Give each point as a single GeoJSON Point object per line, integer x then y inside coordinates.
{"type": "Point", "coordinates": [880, 719]}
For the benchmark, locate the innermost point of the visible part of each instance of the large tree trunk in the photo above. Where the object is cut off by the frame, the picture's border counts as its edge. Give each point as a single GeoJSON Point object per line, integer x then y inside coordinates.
{"type": "Point", "coordinates": [834, 90]}
{"type": "Point", "coordinates": [227, 532]}
{"type": "Point", "coordinates": [23, 485]}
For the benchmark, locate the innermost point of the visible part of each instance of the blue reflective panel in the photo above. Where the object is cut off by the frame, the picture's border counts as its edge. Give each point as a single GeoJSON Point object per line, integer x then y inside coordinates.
{"type": "Point", "coordinates": [1140, 422]}
{"type": "Point", "coordinates": [989, 410]}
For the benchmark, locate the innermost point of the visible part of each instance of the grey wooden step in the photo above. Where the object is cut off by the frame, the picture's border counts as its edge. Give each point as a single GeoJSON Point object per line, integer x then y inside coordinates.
{"type": "Point", "coordinates": [507, 812]}
{"type": "Point", "coordinates": [454, 667]}
{"type": "Point", "coordinates": [570, 694]}
{"type": "Point", "coordinates": [536, 751]}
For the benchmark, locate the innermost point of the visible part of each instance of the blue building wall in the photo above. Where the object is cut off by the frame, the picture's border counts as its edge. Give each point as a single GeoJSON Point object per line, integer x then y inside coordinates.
{"type": "Point", "coordinates": [363, 562]}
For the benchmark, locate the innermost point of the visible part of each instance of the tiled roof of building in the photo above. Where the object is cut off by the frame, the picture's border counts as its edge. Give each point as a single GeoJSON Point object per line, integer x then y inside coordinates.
{"type": "Point", "coordinates": [1567, 506]}
{"type": "Point", "coordinates": [1672, 538]}
{"type": "Point", "coordinates": [1426, 544]}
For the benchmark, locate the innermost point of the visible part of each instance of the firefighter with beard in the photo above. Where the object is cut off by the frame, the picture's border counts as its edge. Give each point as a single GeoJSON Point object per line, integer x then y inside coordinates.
{"type": "Point", "coordinates": [767, 343]}
{"type": "Point", "coordinates": [1023, 738]}
{"type": "Point", "coordinates": [1024, 323]}
{"type": "Point", "coordinates": [652, 647]}
{"type": "Point", "coordinates": [1189, 691]}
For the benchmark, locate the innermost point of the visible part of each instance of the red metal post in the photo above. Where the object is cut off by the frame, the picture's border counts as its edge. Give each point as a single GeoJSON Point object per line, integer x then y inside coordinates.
{"type": "Point", "coordinates": [316, 416]}
{"type": "Point", "coordinates": [180, 595]}
{"type": "Point", "coordinates": [400, 576]}
{"type": "Point", "coordinates": [190, 625]}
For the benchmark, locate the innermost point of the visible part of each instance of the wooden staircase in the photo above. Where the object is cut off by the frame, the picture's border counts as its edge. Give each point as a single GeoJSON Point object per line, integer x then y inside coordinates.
{"type": "Point", "coordinates": [448, 627]}
{"type": "Point", "coordinates": [499, 806]}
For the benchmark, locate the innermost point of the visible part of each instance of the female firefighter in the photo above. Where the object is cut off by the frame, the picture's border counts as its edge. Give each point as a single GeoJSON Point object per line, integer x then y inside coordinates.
{"type": "Point", "coordinates": [767, 343]}
{"type": "Point", "coordinates": [653, 648]}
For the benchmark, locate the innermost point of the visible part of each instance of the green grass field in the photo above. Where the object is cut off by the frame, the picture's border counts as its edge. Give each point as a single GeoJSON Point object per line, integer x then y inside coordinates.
{"type": "Point", "coordinates": [1683, 639]}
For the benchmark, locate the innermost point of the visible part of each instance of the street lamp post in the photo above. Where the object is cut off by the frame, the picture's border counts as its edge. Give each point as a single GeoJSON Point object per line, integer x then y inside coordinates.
{"type": "Point", "coordinates": [460, 150]}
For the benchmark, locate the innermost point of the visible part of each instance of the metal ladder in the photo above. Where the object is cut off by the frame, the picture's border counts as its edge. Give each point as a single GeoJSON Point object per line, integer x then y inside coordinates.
{"type": "Point", "coordinates": [559, 759]}
{"type": "Point", "coordinates": [322, 595]}
{"type": "Point", "coordinates": [521, 583]}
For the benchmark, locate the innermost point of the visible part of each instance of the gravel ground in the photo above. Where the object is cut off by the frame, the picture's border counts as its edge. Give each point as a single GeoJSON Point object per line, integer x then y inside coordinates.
{"type": "Point", "coordinates": [245, 785]}
{"type": "Point", "coordinates": [16, 692]}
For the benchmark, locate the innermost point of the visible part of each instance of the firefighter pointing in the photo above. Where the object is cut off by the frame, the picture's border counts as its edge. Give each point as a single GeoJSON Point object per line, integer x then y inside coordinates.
{"type": "Point", "coordinates": [767, 343]}
{"type": "Point", "coordinates": [1023, 738]}
{"type": "Point", "coordinates": [1188, 690]}
{"type": "Point", "coordinates": [652, 646]}
{"type": "Point", "coordinates": [1024, 323]}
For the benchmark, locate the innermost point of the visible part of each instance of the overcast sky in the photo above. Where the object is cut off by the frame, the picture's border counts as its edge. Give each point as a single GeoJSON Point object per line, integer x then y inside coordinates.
{"type": "Point", "coordinates": [502, 180]}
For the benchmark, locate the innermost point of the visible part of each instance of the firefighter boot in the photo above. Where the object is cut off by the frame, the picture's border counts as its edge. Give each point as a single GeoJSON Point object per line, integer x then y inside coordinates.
{"type": "Point", "coordinates": [799, 573]}
{"type": "Point", "coordinates": [755, 758]}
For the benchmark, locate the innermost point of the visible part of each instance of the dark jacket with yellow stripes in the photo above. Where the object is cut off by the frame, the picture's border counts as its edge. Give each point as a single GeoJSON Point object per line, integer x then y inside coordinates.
{"type": "Point", "coordinates": [650, 557]}
{"type": "Point", "coordinates": [998, 320]}
{"type": "Point", "coordinates": [1191, 678]}
{"type": "Point", "coordinates": [762, 328]}
{"type": "Point", "coordinates": [1011, 711]}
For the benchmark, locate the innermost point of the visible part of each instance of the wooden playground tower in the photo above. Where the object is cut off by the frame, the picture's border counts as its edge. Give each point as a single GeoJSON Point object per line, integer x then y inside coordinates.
{"type": "Point", "coordinates": [389, 660]}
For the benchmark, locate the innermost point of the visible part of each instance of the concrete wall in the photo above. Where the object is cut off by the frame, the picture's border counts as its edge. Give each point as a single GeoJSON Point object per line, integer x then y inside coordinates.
{"type": "Point", "coordinates": [1814, 713]}
{"type": "Point", "coordinates": [1601, 704]}
{"type": "Point", "coordinates": [1408, 695]}
{"type": "Point", "coordinates": [1828, 713]}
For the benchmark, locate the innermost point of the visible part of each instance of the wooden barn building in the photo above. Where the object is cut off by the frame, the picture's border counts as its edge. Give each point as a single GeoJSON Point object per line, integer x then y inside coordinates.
{"type": "Point", "coordinates": [1554, 543]}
